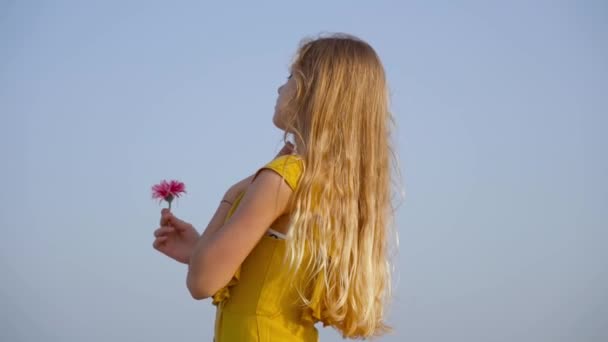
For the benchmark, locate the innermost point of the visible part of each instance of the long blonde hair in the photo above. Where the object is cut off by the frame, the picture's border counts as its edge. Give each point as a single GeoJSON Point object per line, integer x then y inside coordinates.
{"type": "Point", "coordinates": [341, 211]}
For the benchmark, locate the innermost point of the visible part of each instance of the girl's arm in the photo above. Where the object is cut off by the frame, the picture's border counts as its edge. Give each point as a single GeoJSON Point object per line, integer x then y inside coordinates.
{"type": "Point", "coordinates": [218, 254]}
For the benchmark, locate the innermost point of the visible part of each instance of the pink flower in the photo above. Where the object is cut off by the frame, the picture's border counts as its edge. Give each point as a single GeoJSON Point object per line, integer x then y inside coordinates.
{"type": "Point", "coordinates": [168, 190]}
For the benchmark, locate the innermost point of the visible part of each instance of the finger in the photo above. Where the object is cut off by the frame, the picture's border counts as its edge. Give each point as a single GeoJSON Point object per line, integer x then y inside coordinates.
{"type": "Point", "coordinates": [159, 241]}
{"type": "Point", "coordinates": [165, 217]}
{"type": "Point", "coordinates": [163, 230]}
{"type": "Point", "coordinates": [287, 149]}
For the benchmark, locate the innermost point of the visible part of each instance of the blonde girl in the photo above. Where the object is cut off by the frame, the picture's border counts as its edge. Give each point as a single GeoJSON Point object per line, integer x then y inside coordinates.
{"type": "Point", "coordinates": [306, 237]}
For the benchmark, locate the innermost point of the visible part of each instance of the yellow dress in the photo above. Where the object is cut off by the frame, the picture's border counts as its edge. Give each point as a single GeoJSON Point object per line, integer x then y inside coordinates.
{"type": "Point", "coordinates": [259, 303]}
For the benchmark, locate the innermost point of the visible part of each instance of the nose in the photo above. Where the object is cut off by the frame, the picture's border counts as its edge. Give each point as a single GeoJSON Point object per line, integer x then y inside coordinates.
{"type": "Point", "coordinates": [279, 90]}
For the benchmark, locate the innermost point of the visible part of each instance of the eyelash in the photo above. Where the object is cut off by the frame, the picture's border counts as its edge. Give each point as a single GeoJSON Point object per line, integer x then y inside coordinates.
{"type": "Point", "coordinates": [288, 77]}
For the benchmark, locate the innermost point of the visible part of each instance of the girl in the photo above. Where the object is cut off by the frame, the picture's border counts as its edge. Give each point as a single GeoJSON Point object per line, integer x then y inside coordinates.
{"type": "Point", "coordinates": [305, 238]}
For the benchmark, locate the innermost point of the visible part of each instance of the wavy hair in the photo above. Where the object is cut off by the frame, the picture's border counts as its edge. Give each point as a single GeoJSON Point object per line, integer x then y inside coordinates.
{"type": "Point", "coordinates": [341, 216]}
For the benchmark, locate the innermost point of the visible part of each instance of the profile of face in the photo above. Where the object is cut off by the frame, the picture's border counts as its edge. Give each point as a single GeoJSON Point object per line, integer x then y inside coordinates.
{"type": "Point", "coordinates": [286, 92]}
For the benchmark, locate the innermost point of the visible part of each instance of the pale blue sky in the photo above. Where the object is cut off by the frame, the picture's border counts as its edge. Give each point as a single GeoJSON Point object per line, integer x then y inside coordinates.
{"type": "Point", "coordinates": [502, 116]}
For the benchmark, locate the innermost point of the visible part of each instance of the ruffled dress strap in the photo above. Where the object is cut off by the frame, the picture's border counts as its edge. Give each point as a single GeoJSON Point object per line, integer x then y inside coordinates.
{"type": "Point", "coordinates": [288, 166]}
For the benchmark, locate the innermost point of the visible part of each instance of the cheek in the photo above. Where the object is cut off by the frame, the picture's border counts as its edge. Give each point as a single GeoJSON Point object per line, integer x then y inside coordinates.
{"type": "Point", "coordinates": [286, 95]}
{"type": "Point", "coordinates": [281, 105]}
{"type": "Point", "coordinates": [279, 100]}
{"type": "Point", "coordinates": [281, 108]}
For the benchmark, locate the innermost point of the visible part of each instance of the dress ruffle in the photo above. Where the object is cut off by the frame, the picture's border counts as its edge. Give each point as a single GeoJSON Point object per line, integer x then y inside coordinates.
{"type": "Point", "coordinates": [315, 310]}
{"type": "Point", "coordinates": [224, 292]}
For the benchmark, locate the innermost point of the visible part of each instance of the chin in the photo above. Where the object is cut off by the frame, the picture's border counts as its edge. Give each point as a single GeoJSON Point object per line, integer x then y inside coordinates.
{"type": "Point", "coordinates": [281, 127]}
{"type": "Point", "coordinates": [277, 123]}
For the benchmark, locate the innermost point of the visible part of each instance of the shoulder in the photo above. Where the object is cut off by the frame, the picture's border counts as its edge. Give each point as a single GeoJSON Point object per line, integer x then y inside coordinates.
{"type": "Point", "coordinates": [288, 166]}
{"type": "Point", "coordinates": [270, 189]}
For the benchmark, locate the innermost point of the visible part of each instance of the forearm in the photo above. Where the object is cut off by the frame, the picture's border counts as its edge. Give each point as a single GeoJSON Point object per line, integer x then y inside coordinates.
{"type": "Point", "coordinates": [217, 221]}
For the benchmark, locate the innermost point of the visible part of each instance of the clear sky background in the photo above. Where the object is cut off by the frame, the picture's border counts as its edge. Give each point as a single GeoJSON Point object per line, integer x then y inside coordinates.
{"type": "Point", "coordinates": [501, 110]}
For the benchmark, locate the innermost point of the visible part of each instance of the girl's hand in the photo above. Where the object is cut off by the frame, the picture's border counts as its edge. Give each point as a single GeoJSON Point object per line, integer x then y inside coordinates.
{"type": "Point", "coordinates": [287, 149]}
{"type": "Point", "coordinates": [175, 238]}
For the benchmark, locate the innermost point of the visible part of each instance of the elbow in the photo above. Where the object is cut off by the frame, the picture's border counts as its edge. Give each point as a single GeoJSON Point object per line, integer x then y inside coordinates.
{"type": "Point", "coordinates": [198, 290]}
{"type": "Point", "coordinates": [199, 295]}
{"type": "Point", "coordinates": [204, 277]}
